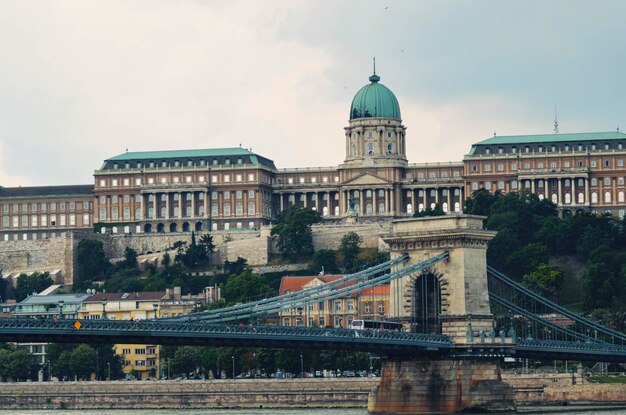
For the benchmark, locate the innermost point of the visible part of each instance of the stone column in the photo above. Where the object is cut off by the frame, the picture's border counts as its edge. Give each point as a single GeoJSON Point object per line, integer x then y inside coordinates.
{"type": "Point", "coordinates": [559, 194]}
{"type": "Point", "coordinates": [305, 197]}
{"type": "Point", "coordinates": [361, 201]}
{"type": "Point", "coordinates": [167, 205]}
{"type": "Point", "coordinates": [282, 206]}
{"type": "Point", "coordinates": [375, 206]}
{"type": "Point", "coordinates": [450, 209]}
{"type": "Point", "coordinates": [317, 202]}
{"type": "Point", "coordinates": [206, 204]}
{"type": "Point", "coordinates": [328, 204]}
{"type": "Point", "coordinates": [425, 199]}
{"type": "Point", "coordinates": [587, 200]}
{"type": "Point", "coordinates": [180, 205]}
{"type": "Point", "coordinates": [193, 204]}
{"type": "Point", "coordinates": [532, 186]}
{"type": "Point", "coordinates": [154, 205]}
{"type": "Point", "coordinates": [392, 196]}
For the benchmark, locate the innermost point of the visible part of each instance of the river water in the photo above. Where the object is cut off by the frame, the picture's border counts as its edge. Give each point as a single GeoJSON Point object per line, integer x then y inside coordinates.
{"type": "Point", "coordinates": [571, 410]}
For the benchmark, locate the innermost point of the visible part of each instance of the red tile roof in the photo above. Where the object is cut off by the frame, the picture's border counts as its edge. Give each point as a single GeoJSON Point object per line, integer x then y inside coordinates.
{"type": "Point", "coordinates": [292, 284]}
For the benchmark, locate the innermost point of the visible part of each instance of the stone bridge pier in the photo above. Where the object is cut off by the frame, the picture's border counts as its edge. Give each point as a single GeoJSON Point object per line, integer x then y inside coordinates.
{"type": "Point", "coordinates": [450, 298]}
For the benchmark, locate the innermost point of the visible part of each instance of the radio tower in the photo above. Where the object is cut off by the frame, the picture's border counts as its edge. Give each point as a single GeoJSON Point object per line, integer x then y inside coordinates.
{"type": "Point", "coordinates": [556, 121]}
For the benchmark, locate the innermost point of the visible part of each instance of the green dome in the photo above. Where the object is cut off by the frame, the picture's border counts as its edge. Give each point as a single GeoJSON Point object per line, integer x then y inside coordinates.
{"type": "Point", "coordinates": [375, 100]}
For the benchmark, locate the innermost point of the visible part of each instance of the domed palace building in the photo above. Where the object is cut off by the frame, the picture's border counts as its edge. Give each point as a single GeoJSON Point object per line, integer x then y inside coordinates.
{"type": "Point", "coordinates": [234, 188]}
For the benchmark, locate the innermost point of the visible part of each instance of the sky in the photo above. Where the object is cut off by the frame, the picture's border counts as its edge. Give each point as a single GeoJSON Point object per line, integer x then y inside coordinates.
{"type": "Point", "coordinates": [85, 80]}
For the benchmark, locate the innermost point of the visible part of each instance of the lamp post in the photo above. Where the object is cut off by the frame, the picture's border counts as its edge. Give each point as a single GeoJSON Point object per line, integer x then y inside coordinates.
{"type": "Point", "coordinates": [109, 369]}
{"type": "Point", "coordinates": [233, 358]}
{"type": "Point", "coordinates": [301, 367]}
{"type": "Point", "coordinates": [49, 372]}
{"type": "Point", "coordinates": [104, 305]}
{"type": "Point", "coordinates": [168, 368]}
{"type": "Point", "coordinates": [61, 304]}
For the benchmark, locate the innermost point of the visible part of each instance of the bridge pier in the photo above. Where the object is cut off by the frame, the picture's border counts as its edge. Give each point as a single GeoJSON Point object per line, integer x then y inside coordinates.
{"type": "Point", "coordinates": [450, 298]}
{"type": "Point", "coordinates": [440, 387]}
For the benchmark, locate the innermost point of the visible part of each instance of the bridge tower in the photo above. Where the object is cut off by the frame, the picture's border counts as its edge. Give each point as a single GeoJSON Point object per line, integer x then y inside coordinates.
{"type": "Point", "coordinates": [451, 298]}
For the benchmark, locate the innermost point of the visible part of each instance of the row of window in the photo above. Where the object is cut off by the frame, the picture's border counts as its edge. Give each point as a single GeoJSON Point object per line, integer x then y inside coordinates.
{"type": "Point", "coordinates": [176, 163]}
{"type": "Point", "coordinates": [433, 175]}
{"type": "Point", "coordinates": [42, 221]}
{"type": "Point", "coordinates": [370, 134]}
{"type": "Point", "coordinates": [303, 180]}
{"type": "Point", "coordinates": [556, 148]}
{"type": "Point", "coordinates": [126, 182]}
{"type": "Point", "coordinates": [486, 167]}
{"type": "Point", "coordinates": [42, 207]}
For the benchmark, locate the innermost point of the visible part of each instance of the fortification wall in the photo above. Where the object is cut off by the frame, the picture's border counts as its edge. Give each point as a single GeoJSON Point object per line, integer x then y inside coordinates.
{"type": "Point", "coordinates": [329, 236]}
{"type": "Point", "coordinates": [25, 256]}
{"type": "Point", "coordinates": [254, 245]}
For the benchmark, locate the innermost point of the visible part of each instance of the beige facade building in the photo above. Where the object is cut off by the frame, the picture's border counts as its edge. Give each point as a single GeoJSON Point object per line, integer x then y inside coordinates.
{"type": "Point", "coordinates": [234, 188]}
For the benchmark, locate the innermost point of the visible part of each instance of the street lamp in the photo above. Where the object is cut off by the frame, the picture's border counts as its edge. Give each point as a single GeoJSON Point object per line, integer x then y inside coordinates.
{"type": "Point", "coordinates": [61, 304]}
{"type": "Point", "coordinates": [168, 368]}
{"type": "Point", "coordinates": [109, 369]}
{"type": "Point", "coordinates": [233, 358]}
{"type": "Point", "coordinates": [301, 367]}
{"type": "Point", "coordinates": [104, 305]}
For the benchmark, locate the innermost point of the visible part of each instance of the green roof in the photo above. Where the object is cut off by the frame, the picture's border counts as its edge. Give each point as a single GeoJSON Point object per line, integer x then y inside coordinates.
{"type": "Point", "coordinates": [374, 100]}
{"type": "Point", "coordinates": [552, 138]}
{"type": "Point", "coordinates": [209, 152]}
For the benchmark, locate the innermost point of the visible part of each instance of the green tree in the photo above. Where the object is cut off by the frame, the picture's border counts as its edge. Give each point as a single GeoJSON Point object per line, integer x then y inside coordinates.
{"type": "Point", "coordinates": [480, 202]}
{"type": "Point", "coordinates": [166, 260]}
{"type": "Point", "coordinates": [19, 366]}
{"type": "Point", "coordinates": [242, 287]}
{"type": "Point", "coordinates": [526, 260]}
{"type": "Point", "coordinates": [349, 247]}
{"type": "Point", "coordinates": [186, 360]}
{"type": "Point", "coordinates": [91, 262]}
{"type": "Point", "coordinates": [83, 361]}
{"type": "Point", "coordinates": [34, 283]}
{"type": "Point", "coordinates": [130, 258]}
{"type": "Point", "coordinates": [295, 240]}
{"type": "Point", "coordinates": [235, 267]}
{"type": "Point", "coordinates": [598, 287]}
{"type": "Point", "coordinates": [546, 280]}
{"type": "Point", "coordinates": [436, 211]}
{"type": "Point", "coordinates": [5, 358]}
{"type": "Point", "coordinates": [326, 260]}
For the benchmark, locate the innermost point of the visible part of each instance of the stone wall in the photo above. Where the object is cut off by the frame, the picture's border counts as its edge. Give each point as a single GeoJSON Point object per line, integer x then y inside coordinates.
{"type": "Point", "coordinates": [329, 236]}
{"type": "Point", "coordinates": [285, 393]}
{"type": "Point", "coordinates": [37, 255]}
{"type": "Point", "coordinates": [256, 246]}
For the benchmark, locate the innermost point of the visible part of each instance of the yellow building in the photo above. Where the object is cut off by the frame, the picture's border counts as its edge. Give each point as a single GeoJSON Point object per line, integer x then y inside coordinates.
{"type": "Point", "coordinates": [144, 359]}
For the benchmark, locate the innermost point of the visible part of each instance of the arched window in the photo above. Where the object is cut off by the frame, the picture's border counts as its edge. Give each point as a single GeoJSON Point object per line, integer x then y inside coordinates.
{"type": "Point", "coordinates": [457, 207]}
{"type": "Point", "coordinates": [581, 198]}
{"type": "Point", "coordinates": [409, 208]}
{"type": "Point", "coordinates": [325, 211]}
{"type": "Point", "coordinates": [389, 148]}
{"type": "Point", "coordinates": [368, 209]}
{"type": "Point", "coordinates": [568, 198]}
{"type": "Point", "coordinates": [594, 197]}
{"type": "Point", "coordinates": [555, 200]}
{"type": "Point", "coordinates": [163, 212]}
{"type": "Point", "coordinates": [420, 207]}
{"type": "Point", "coordinates": [370, 148]}
{"type": "Point", "coordinates": [251, 208]}
{"type": "Point", "coordinates": [188, 211]}
{"type": "Point", "coordinates": [607, 197]}
{"type": "Point", "coordinates": [620, 197]}
{"type": "Point", "coordinates": [381, 193]}
{"type": "Point", "coordinates": [353, 147]}
{"type": "Point", "coordinates": [432, 206]}
{"type": "Point", "coordinates": [541, 196]}
{"type": "Point", "coordinates": [336, 210]}
{"type": "Point", "coordinates": [445, 207]}
{"type": "Point", "coordinates": [381, 207]}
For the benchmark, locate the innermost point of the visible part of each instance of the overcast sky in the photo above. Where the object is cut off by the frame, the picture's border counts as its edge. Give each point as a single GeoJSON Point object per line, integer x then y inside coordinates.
{"type": "Point", "coordinates": [81, 81]}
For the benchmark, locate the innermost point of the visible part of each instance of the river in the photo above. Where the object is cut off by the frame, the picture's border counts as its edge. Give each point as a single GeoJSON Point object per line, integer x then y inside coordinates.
{"type": "Point", "coordinates": [586, 410]}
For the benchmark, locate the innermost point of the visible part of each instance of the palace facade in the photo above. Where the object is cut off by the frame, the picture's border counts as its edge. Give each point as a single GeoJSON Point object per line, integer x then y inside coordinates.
{"type": "Point", "coordinates": [234, 188]}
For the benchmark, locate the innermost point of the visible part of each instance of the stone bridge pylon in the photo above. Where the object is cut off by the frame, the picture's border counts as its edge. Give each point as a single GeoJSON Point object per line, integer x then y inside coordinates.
{"type": "Point", "coordinates": [451, 298]}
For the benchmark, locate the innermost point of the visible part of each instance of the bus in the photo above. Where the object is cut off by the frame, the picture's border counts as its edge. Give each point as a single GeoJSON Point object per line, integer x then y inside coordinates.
{"type": "Point", "coordinates": [378, 325]}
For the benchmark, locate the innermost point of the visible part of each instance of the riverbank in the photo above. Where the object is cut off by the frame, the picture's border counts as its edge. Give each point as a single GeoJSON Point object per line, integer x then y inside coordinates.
{"type": "Point", "coordinates": [543, 389]}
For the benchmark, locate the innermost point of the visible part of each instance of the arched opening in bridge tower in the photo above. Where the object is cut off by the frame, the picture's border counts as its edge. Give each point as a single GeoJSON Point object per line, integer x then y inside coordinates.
{"type": "Point", "coordinates": [427, 304]}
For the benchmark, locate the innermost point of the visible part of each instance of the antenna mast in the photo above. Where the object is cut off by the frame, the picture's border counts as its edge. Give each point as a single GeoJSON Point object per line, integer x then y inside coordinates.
{"type": "Point", "coordinates": [556, 121]}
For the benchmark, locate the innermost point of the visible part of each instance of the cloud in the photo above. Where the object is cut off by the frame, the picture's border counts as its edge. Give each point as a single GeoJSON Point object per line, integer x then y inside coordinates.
{"type": "Point", "coordinates": [83, 81]}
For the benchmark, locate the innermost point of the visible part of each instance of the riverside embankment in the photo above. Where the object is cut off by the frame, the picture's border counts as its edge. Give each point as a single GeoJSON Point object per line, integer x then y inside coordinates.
{"type": "Point", "coordinates": [543, 389]}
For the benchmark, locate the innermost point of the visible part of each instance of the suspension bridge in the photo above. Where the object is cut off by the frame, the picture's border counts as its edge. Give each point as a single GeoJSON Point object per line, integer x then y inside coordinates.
{"type": "Point", "coordinates": [456, 309]}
